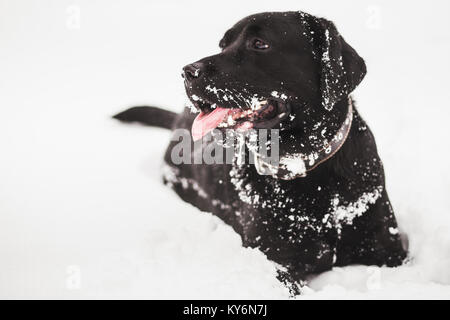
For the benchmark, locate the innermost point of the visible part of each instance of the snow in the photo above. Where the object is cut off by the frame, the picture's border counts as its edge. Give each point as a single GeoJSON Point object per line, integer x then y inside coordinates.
{"type": "Point", "coordinates": [294, 164]}
{"type": "Point", "coordinates": [83, 212]}
{"type": "Point", "coordinates": [355, 209]}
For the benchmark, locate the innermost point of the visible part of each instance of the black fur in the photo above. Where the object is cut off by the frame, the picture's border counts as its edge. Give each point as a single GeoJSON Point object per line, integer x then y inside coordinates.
{"type": "Point", "coordinates": [303, 224]}
{"type": "Point", "coordinates": [151, 116]}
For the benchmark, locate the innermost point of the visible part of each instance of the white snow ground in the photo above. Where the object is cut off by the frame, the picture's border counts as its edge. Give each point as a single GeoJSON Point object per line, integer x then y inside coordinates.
{"type": "Point", "coordinates": [83, 213]}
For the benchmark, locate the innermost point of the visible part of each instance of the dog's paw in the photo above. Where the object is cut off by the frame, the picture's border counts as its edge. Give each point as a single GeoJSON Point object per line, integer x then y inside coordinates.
{"type": "Point", "coordinates": [288, 280]}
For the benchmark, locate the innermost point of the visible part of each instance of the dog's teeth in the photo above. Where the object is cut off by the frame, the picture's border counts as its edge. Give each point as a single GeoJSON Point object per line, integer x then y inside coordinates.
{"type": "Point", "coordinates": [228, 122]}
{"type": "Point", "coordinates": [256, 105]}
{"type": "Point", "coordinates": [262, 103]}
{"type": "Point", "coordinates": [237, 115]}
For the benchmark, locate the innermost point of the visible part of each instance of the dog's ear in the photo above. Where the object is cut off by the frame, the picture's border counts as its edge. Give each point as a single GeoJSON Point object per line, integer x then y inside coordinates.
{"type": "Point", "coordinates": [342, 69]}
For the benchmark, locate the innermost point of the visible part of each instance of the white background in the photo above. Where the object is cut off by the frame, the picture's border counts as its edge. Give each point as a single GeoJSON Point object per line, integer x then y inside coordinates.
{"type": "Point", "coordinates": [83, 212]}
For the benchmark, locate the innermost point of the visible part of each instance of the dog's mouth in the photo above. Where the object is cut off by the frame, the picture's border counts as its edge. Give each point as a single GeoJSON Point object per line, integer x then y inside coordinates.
{"type": "Point", "coordinates": [263, 114]}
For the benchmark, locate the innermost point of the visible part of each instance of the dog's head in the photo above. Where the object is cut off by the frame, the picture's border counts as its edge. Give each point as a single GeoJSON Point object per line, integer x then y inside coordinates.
{"type": "Point", "coordinates": [282, 70]}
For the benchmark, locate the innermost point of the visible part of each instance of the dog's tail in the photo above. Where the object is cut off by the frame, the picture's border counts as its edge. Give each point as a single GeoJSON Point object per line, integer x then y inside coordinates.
{"type": "Point", "coordinates": [150, 116]}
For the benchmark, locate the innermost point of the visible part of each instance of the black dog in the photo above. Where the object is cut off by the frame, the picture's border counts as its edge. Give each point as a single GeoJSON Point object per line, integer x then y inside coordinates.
{"type": "Point", "coordinates": [325, 204]}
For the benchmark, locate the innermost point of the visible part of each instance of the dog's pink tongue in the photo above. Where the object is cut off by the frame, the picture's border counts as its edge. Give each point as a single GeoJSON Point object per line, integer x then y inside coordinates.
{"type": "Point", "coordinates": [205, 123]}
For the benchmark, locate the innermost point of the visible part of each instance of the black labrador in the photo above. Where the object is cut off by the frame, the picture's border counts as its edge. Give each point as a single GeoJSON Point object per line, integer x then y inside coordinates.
{"type": "Point", "coordinates": [325, 204]}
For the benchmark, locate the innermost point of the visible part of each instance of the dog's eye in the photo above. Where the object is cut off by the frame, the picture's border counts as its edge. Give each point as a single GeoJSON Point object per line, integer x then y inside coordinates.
{"type": "Point", "coordinates": [259, 44]}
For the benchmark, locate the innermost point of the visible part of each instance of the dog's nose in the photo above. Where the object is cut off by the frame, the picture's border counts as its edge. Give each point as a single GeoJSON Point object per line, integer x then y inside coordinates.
{"type": "Point", "coordinates": [192, 71]}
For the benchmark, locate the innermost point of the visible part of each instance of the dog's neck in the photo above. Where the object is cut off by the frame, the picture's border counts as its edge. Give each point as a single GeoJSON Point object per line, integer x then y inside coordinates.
{"type": "Point", "coordinates": [292, 166]}
{"type": "Point", "coordinates": [335, 144]}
